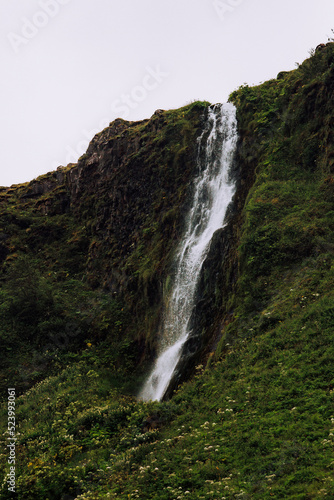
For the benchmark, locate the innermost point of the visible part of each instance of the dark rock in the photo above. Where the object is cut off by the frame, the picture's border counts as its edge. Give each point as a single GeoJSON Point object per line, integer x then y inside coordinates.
{"type": "Point", "coordinates": [151, 423]}
{"type": "Point", "coordinates": [321, 46]}
{"type": "Point", "coordinates": [281, 75]}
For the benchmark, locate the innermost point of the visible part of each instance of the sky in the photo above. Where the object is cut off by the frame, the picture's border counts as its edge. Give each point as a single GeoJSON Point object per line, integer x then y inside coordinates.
{"type": "Point", "coordinates": [70, 67]}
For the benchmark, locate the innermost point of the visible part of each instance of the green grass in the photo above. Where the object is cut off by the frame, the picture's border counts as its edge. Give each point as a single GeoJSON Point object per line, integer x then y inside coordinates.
{"type": "Point", "coordinates": [256, 421]}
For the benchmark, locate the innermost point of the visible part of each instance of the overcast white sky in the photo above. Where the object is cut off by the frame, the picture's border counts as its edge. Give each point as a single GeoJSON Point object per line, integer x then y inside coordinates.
{"type": "Point", "coordinates": [69, 67]}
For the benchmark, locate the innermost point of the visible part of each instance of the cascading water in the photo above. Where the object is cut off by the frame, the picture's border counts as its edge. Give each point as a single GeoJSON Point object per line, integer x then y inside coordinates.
{"type": "Point", "coordinates": [213, 192]}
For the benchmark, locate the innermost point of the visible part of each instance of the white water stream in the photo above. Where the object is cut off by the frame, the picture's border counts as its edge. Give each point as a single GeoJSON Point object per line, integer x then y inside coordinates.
{"type": "Point", "coordinates": [213, 192]}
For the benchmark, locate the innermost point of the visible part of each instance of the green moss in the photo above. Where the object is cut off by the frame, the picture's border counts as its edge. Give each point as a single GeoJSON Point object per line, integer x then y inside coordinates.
{"type": "Point", "coordinates": [258, 421]}
{"type": "Point", "coordinates": [115, 246]}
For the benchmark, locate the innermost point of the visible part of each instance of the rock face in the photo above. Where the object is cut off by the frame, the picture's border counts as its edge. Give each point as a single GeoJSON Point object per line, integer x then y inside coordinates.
{"type": "Point", "coordinates": [129, 189]}
{"type": "Point", "coordinates": [120, 210]}
{"type": "Point", "coordinates": [112, 220]}
{"type": "Point", "coordinates": [3, 247]}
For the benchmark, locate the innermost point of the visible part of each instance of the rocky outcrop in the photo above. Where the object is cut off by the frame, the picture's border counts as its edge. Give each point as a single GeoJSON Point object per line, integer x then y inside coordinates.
{"type": "Point", "coordinates": [45, 184]}
{"type": "Point", "coordinates": [132, 181]}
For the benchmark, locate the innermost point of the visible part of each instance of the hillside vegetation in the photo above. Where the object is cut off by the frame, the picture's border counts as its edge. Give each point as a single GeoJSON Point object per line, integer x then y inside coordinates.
{"type": "Point", "coordinates": [86, 254]}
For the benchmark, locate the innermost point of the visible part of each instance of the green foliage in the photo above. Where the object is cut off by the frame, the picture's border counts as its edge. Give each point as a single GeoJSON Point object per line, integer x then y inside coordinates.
{"type": "Point", "coordinates": [285, 218]}
{"type": "Point", "coordinates": [255, 422]}
{"type": "Point", "coordinates": [71, 276]}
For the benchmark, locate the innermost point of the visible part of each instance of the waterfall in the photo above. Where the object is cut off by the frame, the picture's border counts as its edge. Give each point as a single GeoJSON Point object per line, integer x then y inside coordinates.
{"type": "Point", "coordinates": [212, 193]}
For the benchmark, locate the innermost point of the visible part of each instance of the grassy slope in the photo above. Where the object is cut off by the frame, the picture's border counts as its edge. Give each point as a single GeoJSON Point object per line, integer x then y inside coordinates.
{"type": "Point", "coordinates": [258, 422]}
